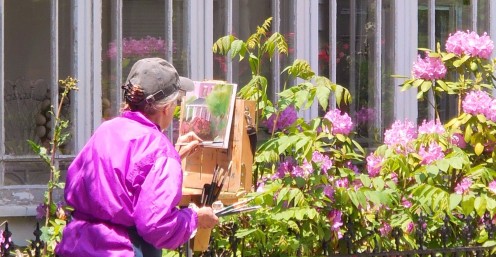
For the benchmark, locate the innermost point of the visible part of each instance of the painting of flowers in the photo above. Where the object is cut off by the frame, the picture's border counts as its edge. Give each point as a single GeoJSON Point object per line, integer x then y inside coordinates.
{"type": "Point", "coordinates": [208, 112]}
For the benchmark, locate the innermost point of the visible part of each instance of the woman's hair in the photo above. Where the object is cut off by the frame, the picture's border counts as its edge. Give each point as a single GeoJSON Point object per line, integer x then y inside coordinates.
{"type": "Point", "coordinates": [134, 100]}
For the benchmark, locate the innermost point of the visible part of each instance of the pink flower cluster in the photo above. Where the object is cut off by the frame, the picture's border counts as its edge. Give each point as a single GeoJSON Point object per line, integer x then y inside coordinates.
{"type": "Point", "coordinates": [341, 123]}
{"type": "Point", "coordinates": [431, 127]}
{"type": "Point", "coordinates": [385, 229]}
{"type": "Point", "coordinates": [290, 167]}
{"type": "Point", "coordinates": [464, 186]}
{"type": "Point", "coordinates": [479, 102]}
{"type": "Point", "coordinates": [335, 218]}
{"type": "Point", "coordinates": [400, 134]}
{"type": "Point", "coordinates": [374, 164]}
{"type": "Point", "coordinates": [285, 119]}
{"type": "Point", "coordinates": [470, 43]}
{"type": "Point", "coordinates": [492, 186]}
{"type": "Point", "coordinates": [144, 47]}
{"type": "Point", "coordinates": [324, 161]}
{"type": "Point", "coordinates": [429, 68]}
{"type": "Point", "coordinates": [458, 140]}
{"type": "Point", "coordinates": [434, 153]}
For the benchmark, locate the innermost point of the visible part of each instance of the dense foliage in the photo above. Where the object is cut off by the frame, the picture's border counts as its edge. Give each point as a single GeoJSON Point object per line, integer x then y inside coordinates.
{"type": "Point", "coordinates": [313, 177]}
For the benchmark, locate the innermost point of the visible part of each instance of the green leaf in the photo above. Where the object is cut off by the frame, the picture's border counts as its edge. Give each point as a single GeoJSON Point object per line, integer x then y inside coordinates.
{"type": "Point", "coordinates": [238, 47]}
{"type": "Point", "coordinates": [432, 170]}
{"type": "Point", "coordinates": [442, 84]}
{"type": "Point", "coordinates": [443, 164]}
{"type": "Point", "coordinates": [467, 204]}
{"type": "Point", "coordinates": [479, 148]}
{"type": "Point", "coordinates": [480, 205]}
{"type": "Point", "coordinates": [378, 183]}
{"type": "Point", "coordinates": [426, 86]}
{"type": "Point", "coordinates": [322, 95]}
{"type": "Point", "coordinates": [454, 201]}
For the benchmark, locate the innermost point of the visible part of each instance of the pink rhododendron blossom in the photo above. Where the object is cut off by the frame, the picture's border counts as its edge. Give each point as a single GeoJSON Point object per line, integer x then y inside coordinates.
{"type": "Point", "coordinates": [285, 167]}
{"type": "Point", "coordinates": [329, 192]}
{"type": "Point", "coordinates": [410, 227]}
{"type": "Point", "coordinates": [342, 182]}
{"type": "Point", "coordinates": [298, 171]}
{"type": "Point", "coordinates": [357, 184]}
{"type": "Point", "coordinates": [341, 123]}
{"type": "Point", "coordinates": [385, 229]}
{"type": "Point", "coordinates": [431, 127]}
{"type": "Point", "coordinates": [261, 185]}
{"type": "Point", "coordinates": [491, 113]}
{"type": "Point", "coordinates": [463, 187]}
{"type": "Point", "coordinates": [374, 164]}
{"type": "Point", "coordinates": [429, 68]}
{"type": "Point", "coordinates": [476, 102]}
{"type": "Point", "coordinates": [458, 140]}
{"type": "Point", "coordinates": [470, 43]}
{"type": "Point", "coordinates": [352, 167]}
{"type": "Point", "coordinates": [492, 186]}
{"type": "Point", "coordinates": [307, 167]}
{"type": "Point", "coordinates": [287, 117]}
{"type": "Point", "coordinates": [334, 217]}
{"type": "Point", "coordinates": [406, 203]}
{"type": "Point", "coordinates": [138, 48]}
{"type": "Point", "coordinates": [433, 153]}
{"type": "Point", "coordinates": [400, 135]}
{"type": "Point", "coordinates": [324, 161]}
{"type": "Point", "coordinates": [394, 177]}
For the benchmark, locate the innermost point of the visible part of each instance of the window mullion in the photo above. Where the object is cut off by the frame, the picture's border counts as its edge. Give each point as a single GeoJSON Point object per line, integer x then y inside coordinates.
{"type": "Point", "coordinates": [353, 39]}
{"type": "Point", "coordinates": [332, 47]}
{"type": "Point", "coordinates": [431, 38]}
{"type": "Point", "coordinates": [97, 63]}
{"type": "Point", "coordinates": [378, 66]}
{"type": "Point", "coordinates": [276, 60]}
{"type": "Point", "coordinates": [474, 7]}
{"type": "Point", "coordinates": [230, 29]}
{"type": "Point", "coordinates": [169, 30]}
{"type": "Point", "coordinates": [2, 89]}
{"type": "Point", "coordinates": [54, 56]}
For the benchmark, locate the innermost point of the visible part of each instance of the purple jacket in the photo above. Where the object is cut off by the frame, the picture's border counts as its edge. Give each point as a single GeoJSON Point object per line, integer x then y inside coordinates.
{"type": "Point", "coordinates": [127, 175]}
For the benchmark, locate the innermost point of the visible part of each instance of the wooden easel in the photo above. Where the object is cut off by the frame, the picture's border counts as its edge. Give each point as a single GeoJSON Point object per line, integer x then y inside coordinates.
{"type": "Point", "coordinates": [198, 168]}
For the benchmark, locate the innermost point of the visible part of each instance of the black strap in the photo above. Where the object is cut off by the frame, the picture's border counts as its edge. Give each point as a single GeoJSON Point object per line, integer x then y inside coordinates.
{"type": "Point", "coordinates": [141, 247]}
{"type": "Point", "coordinates": [251, 131]}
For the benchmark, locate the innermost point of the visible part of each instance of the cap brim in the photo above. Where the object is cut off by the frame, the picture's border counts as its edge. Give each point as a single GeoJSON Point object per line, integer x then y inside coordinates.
{"type": "Point", "coordinates": [186, 84]}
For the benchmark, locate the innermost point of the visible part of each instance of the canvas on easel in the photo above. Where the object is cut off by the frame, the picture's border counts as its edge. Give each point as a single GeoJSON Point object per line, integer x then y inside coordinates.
{"type": "Point", "coordinates": [208, 111]}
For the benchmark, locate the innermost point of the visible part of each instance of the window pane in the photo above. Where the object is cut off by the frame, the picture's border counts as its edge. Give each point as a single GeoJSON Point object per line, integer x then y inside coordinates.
{"type": "Point", "coordinates": [220, 30]}
{"type": "Point", "coordinates": [247, 15]}
{"type": "Point", "coordinates": [143, 35]}
{"type": "Point", "coordinates": [355, 69]}
{"type": "Point", "coordinates": [450, 16]}
{"type": "Point", "coordinates": [26, 173]}
{"type": "Point", "coordinates": [483, 18]}
{"type": "Point", "coordinates": [27, 74]}
{"type": "Point", "coordinates": [180, 20]}
{"type": "Point", "coordinates": [287, 29]}
{"type": "Point", "coordinates": [66, 39]}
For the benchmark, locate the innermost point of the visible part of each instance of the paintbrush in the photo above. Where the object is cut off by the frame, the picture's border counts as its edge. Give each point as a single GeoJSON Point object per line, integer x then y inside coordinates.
{"type": "Point", "coordinates": [240, 210]}
{"type": "Point", "coordinates": [234, 205]}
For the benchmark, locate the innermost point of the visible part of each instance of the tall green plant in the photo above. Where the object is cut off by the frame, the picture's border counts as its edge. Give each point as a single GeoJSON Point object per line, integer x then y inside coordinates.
{"type": "Point", "coordinates": [55, 215]}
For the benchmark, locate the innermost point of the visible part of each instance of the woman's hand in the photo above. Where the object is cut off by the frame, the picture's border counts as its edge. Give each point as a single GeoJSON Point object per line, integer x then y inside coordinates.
{"type": "Point", "coordinates": [188, 144]}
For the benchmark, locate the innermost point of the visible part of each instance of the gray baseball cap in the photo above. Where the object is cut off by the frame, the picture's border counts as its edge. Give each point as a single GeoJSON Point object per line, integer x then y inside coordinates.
{"type": "Point", "coordinates": [157, 78]}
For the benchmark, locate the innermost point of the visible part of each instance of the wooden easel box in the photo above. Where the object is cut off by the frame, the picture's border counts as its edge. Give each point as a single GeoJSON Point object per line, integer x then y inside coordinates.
{"type": "Point", "coordinates": [198, 168]}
